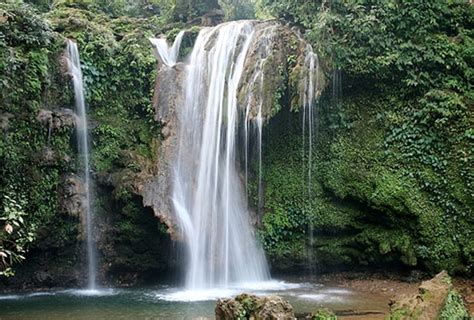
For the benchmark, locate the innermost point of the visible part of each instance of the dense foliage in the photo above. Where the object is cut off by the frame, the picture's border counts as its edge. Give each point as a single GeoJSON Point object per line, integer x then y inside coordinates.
{"type": "Point", "coordinates": [28, 82]}
{"type": "Point", "coordinates": [37, 157]}
{"type": "Point", "coordinates": [15, 234]}
{"type": "Point", "coordinates": [394, 152]}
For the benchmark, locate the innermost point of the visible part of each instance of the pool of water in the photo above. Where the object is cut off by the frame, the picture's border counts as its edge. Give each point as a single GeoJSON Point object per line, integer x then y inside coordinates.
{"type": "Point", "coordinates": [171, 303]}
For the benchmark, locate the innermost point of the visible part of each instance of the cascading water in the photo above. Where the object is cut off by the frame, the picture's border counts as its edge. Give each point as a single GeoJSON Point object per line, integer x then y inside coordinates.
{"type": "Point", "coordinates": [168, 55]}
{"type": "Point", "coordinates": [207, 193]}
{"type": "Point", "coordinates": [74, 68]}
{"type": "Point", "coordinates": [310, 86]}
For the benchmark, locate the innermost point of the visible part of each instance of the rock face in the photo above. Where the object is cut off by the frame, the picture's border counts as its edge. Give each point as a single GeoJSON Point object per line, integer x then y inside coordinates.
{"type": "Point", "coordinates": [436, 299]}
{"type": "Point", "coordinates": [72, 195]}
{"type": "Point", "coordinates": [212, 18]}
{"type": "Point", "coordinates": [156, 188]}
{"type": "Point", "coordinates": [57, 118]}
{"type": "Point", "coordinates": [247, 306]}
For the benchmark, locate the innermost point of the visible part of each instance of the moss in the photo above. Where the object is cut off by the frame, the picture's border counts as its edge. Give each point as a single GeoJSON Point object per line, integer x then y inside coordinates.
{"type": "Point", "coordinates": [363, 207]}
{"type": "Point", "coordinates": [323, 314]}
{"type": "Point", "coordinates": [399, 314]}
{"type": "Point", "coordinates": [454, 307]}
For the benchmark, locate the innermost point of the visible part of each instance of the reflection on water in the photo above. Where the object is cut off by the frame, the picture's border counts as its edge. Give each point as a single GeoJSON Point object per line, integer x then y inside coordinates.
{"type": "Point", "coordinates": [172, 303]}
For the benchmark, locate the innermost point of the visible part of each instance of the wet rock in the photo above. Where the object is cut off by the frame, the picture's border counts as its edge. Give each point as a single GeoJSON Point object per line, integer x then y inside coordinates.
{"type": "Point", "coordinates": [47, 156]}
{"type": "Point", "coordinates": [213, 18]}
{"type": "Point", "coordinates": [228, 309]}
{"type": "Point", "coordinates": [43, 277]}
{"type": "Point", "coordinates": [274, 307]}
{"type": "Point", "coordinates": [434, 297]}
{"type": "Point", "coordinates": [155, 185]}
{"type": "Point", "coordinates": [265, 68]}
{"type": "Point", "coordinates": [247, 306]}
{"type": "Point", "coordinates": [55, 119]}
{"type": "Point", "coordinates": [269, 69]}
{"type": "Point", "coordinates": [44, 117]}
{"type": "Point", "coordinates": [72, 195]}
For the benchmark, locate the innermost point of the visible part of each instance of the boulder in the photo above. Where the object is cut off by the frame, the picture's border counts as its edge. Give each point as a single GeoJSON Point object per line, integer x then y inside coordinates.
{"type": "Point", "coordinates": [247, 306]}
{"type": "Point", "coordinates": [436, 299]}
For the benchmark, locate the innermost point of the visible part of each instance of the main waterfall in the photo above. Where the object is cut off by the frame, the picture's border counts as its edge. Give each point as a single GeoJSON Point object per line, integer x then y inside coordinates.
{"type": "Point", "coordinates": [74, 68]}
{"type": "Point", "coordinates": [213, 108]}
{"type": "Point", "coordinates": [207, 191]}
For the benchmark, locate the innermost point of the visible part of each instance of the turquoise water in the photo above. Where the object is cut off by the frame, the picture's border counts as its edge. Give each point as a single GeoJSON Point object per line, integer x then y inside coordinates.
{"type": "Point", "coordinates": [154, 303]}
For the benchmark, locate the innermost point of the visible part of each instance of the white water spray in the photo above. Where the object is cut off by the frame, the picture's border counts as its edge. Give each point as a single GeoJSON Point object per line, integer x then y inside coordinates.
{"type": "Point", "coordinates": [74, 68]}
{"type": "Point", "coordinates": [207, 195]}
{"type": "Point", "coordinates": [168, 55]}
{"type": "Point", "coordinates": [310, 86]}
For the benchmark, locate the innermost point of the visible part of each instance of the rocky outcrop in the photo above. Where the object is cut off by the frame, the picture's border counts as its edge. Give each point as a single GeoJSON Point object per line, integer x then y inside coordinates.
{"type": "Point", "coordinates": [72, 195]}
{"type": "Point", "coordinates": [212, 18]}
{"type": "Point", "coordinates": [436, 299]}
{"type": "Point", "coordinates": [247, 306]}
{"type": "Point", "coordinates": [276, 61]}
{"type": "Point", "coordinates": [156, 188]}
{"type": "Point", "coordinates": [56, 119]}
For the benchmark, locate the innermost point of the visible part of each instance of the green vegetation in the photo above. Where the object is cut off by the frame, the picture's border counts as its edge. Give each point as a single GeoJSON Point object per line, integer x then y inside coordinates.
{"type": "Point", "coordinates": [30, 162]}
{"type": "Point", "coordinates": [454, 307]}
{"type": "Point", "coordinates": [15, 234]}
{"type": "Point", "coordinates": [119, 70]}
{"type": "Point", "coordinates": [323, 314]}
{"type": "Point", "coordinates": [391, 175]}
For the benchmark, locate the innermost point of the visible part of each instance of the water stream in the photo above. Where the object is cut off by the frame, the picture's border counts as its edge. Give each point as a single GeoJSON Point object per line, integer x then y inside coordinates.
{"type": "Point", "coordinates": [74, 68]}
{"type": "Point", "coordinates": [308, 96]}
{"type": "Point", "coordinates": [207, 192]}
{"type": "Point", "coordinates": [168, 54]}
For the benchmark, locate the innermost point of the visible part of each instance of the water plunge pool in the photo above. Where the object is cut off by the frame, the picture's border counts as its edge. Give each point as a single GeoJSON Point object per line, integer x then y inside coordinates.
{"type": "Point", "coordinates": [164, 302]}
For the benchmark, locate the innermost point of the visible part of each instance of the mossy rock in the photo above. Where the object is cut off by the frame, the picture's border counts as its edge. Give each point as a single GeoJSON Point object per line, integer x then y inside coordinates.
{"type": "Point", "coordinates": [436, 299]}
{"type": "Point", "coordinates": [323, 314]}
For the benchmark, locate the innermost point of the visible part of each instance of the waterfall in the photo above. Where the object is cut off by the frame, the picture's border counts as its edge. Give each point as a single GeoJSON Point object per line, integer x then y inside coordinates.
{"type": "Point", "coordinates": [208, 195]}
{"type": "Point", "coordinates": [167, 54]}
{"type": "Point", "coordinates": [74, 68]}
{"type": "Point", "coordinates": [308, 93]}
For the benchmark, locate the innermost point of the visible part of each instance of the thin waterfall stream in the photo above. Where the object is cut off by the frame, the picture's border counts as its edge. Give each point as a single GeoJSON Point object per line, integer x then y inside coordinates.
{"type": "Point", "coordinates": [74, 68]}
{"type": "Point", "coordinates": [308, 94]}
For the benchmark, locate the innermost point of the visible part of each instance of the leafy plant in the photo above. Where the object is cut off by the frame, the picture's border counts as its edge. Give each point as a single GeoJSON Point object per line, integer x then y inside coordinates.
{"type": "Point", "coordinates": [16, 233]}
